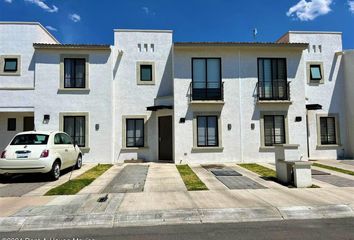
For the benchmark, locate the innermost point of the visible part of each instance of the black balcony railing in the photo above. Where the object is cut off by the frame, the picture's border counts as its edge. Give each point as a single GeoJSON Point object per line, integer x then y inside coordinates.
{"type": "Point", "coordinates": [206, 91]}
{"type": "Point", "coordinates": [273, 90]}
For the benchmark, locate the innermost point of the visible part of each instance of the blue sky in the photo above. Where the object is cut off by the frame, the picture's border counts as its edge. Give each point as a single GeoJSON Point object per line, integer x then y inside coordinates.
{"type": "Point", "coordinates": [92, 21]}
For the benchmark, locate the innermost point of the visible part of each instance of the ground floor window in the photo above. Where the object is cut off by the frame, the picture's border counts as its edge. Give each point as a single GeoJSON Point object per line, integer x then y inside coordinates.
{"type": "Point", "coordinates": [274, 129]}
{"type": "Point", "coordinates": [75, 126]}
{"type": "Point", "coordinates": [207, 131]}
{"type": "Point", "coordinates": [328, 130]}
{"type": "Point", "coordinates": [11, 124]}
{"type": "Point", "coordinates": [135, 132]}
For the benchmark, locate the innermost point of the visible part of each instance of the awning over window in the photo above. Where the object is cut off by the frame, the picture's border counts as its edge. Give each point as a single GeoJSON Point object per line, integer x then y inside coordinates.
{"type": "Point", "coordinates": [313, 107]}
{"type": "Point", "coordinates": [158, 107]}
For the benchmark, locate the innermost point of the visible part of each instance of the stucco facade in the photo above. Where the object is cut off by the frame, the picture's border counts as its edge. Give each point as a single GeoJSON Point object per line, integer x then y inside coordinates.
{"type": "Point", "coordinates": [116, 94]}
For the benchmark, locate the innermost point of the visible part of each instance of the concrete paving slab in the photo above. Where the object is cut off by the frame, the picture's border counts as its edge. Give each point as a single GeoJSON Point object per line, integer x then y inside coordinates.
{"type": "Point", "coordinates": [130, 179]}
{"type": "Point", "coordinates": [163, 178]}
{"type": "Point", "coordinates": [111, 205]}
{"type": "Point", "coordinates": [237, 182]}
{"type": "Point", "coordinates": [208, 178]}
{"type": "Point", "coordinates": [149, 201]}
{"type": "Point", "coordinates": [11, 224]}
{"type": "Point", "coordinates": [11, 205]}
{"type": "Point", "coordinates": [335, 180]}
{"type": "Point", "coordinates": [226, 199]}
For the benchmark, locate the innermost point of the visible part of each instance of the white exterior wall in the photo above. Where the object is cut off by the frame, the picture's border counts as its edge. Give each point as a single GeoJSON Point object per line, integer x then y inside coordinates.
{"type": "Point", "coordinates": [131, 98]}
{"type": "Point", "coordinates": [17, 92]}
{"type": "Point", "coordinates": [348, 57]}
{"type": "Point", "coordinates": [97, 102]}
{"type": "Point", "coordinates": [330, 94]}
{"type": "Point", "coordinates": [239, 74]}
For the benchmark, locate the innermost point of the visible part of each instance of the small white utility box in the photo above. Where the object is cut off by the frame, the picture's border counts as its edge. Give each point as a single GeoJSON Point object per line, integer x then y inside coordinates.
{"type": "Point", "coordinates": [289, 168]}
{"type": "Point", "coordinates": [285, 153]}
{"type": "Point", "coordinates": [302, 174]}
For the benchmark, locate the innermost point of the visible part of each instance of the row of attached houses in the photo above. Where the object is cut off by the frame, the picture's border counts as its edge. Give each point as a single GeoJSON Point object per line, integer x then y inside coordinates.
{"type": "Point", "coordinates": [147, 97]}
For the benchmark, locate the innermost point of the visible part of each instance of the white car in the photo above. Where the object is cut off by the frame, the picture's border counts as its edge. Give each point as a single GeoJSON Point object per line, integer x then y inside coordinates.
{"type": "Point", "coordinates": [40, 152]}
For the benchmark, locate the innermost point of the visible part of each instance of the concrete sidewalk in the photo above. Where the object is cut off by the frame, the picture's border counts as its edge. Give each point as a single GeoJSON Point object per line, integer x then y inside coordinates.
{"type": "Point", "coordinates": [165, 200]}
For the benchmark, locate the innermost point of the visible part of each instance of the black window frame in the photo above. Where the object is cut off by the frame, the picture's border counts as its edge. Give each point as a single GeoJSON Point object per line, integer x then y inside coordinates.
{"type": "Point", "coordinates": [10, 59]}
{"type": "Point", "coordinates": [273, 130]}
{"type": "Point", "coordinates": [134, 137]}
{"type": "Point", "coordinates": [276, 81]}
{"type": "Point", "coordinates": [141, 66]}
{"type": "Point", "coordinates": [206, 88]}
{"type": "Point", "coordinates": [73, 138]}
{"type": "Point", "coordinates": [206, 131]}
{"type": "Point", "coordinates": [11, 124]}
{"type": "Point", "coordinates": [326, 135]}
{"type": "Point", "coordinates": [73, 78]}
{"type": "Point", "coordinates": [320, 70]}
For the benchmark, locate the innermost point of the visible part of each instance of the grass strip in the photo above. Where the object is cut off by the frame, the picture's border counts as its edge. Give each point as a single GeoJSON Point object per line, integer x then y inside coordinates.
{"type": "Point", "coordinates": [73, 186]}
{"type": "Point", "coordinates": [333, 168]}
{"type": "Point", "coordinates": [260, 170]}
{"type": "Point", "coordinates": [190, 179]}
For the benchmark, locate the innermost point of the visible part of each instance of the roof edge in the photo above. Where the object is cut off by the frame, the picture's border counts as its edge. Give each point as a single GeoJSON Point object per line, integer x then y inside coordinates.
{"type": "Point", "coordinates": [72, 46]}
{"type": "Point", "coordinates": [143, 30]}
{"type": "Point", "coordinates": [31, 23]}
{"type": "Point", "coordinates": [241, 44]}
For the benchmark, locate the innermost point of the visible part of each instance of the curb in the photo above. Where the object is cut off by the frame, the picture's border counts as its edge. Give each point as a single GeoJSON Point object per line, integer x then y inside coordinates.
{"type": "Point", "coordinates": [194, 216]}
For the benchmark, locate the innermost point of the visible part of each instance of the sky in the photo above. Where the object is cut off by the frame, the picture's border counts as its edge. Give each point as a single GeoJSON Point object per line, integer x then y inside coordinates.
{"type": "Point", "coordinates": [93, 21]}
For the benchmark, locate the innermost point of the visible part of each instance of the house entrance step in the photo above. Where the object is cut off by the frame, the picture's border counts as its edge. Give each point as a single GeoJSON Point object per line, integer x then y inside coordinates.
{"type": "Point", "coordinates": [130, 179]}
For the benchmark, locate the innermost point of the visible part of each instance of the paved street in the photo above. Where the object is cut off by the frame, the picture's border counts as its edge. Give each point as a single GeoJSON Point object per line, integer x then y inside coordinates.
{"type": "Point", "coordinates": [298, 229]}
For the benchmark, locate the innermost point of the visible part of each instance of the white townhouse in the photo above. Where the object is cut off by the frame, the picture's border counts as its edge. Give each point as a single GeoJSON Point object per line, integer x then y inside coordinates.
{"type": "Point", "coordinates": [146, 97]}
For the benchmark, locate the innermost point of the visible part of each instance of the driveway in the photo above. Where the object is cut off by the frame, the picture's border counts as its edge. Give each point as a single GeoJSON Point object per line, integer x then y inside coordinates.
{"type": "Point", "coordinates": [21, 184]}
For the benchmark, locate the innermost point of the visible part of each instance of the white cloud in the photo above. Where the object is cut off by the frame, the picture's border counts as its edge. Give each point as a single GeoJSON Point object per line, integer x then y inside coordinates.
{"type": "Point", "coordinates": [309, 10]}
{"type": "Point", "coordinates": [8, 1]}
{"type": "Point", "coordinates": [43, 5]}
{"type": "Point", "coordinates": [148, 11]}
{"type": "Point", "coordinates": [74, 17]}
{"type": "Point", "coordinates": [51, 28]}
{"type": "Point", "coordinates": [351, 6]}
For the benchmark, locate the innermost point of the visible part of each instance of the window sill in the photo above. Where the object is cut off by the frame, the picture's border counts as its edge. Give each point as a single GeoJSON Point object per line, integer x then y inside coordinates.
{"type": "Point", "coordinates": [207, 102]}
{"type": "Point", "coordinates": [146, 83]}
{"type": "Point", "coordinates": [328, 147]}
{"type": "Point", "coordinates": [207, 149]}
{"type": "Point", "coordinates": [134, 148]}
{"type": "Point", "coordinates": [267, 148]}
{"type": "Point", "coordinates": [10, 74]}
{"type": "Point", "coordinates": [288, 102]}
{"type": "Point", "coordinates": [73, 90]}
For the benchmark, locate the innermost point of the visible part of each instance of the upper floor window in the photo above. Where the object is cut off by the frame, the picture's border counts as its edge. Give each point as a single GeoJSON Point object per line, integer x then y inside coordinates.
{"type": "Point", "coordinates": [315, 73]}
{"type": "Point", "coordinates": [272, 79]}
{"type": "Point", "coordinates": [206, 79]}
{"type": "Point", "coordinates": [10, 64]}
{"type": "Point", "coordinates": [145, 72]}
{"type": "Point", "coordinates": [74, 72]}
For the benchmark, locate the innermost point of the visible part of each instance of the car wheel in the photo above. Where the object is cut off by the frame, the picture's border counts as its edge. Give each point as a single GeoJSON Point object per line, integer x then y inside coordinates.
{"type": "Point", "coordinates": [78, 162]}
{"type": "Point", "coordinates": [55, 172]}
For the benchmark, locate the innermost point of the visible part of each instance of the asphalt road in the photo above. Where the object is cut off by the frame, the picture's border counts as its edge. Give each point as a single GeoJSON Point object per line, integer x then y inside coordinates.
{"type": "Point", "coordinates": [299, 229]}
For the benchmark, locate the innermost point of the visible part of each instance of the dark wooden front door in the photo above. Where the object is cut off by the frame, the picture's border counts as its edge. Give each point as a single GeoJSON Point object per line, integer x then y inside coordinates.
{"type": "Point", "coordinates": [165, 138]}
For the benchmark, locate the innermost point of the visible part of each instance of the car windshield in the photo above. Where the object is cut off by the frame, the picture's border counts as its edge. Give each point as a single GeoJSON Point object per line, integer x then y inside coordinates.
{"type": "Point", "coordinates": [30, 139]}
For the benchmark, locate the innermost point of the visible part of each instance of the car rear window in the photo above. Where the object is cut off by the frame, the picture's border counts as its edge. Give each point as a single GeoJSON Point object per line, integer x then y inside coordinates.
{"type": "Point", "coordinates": [30, 139]}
